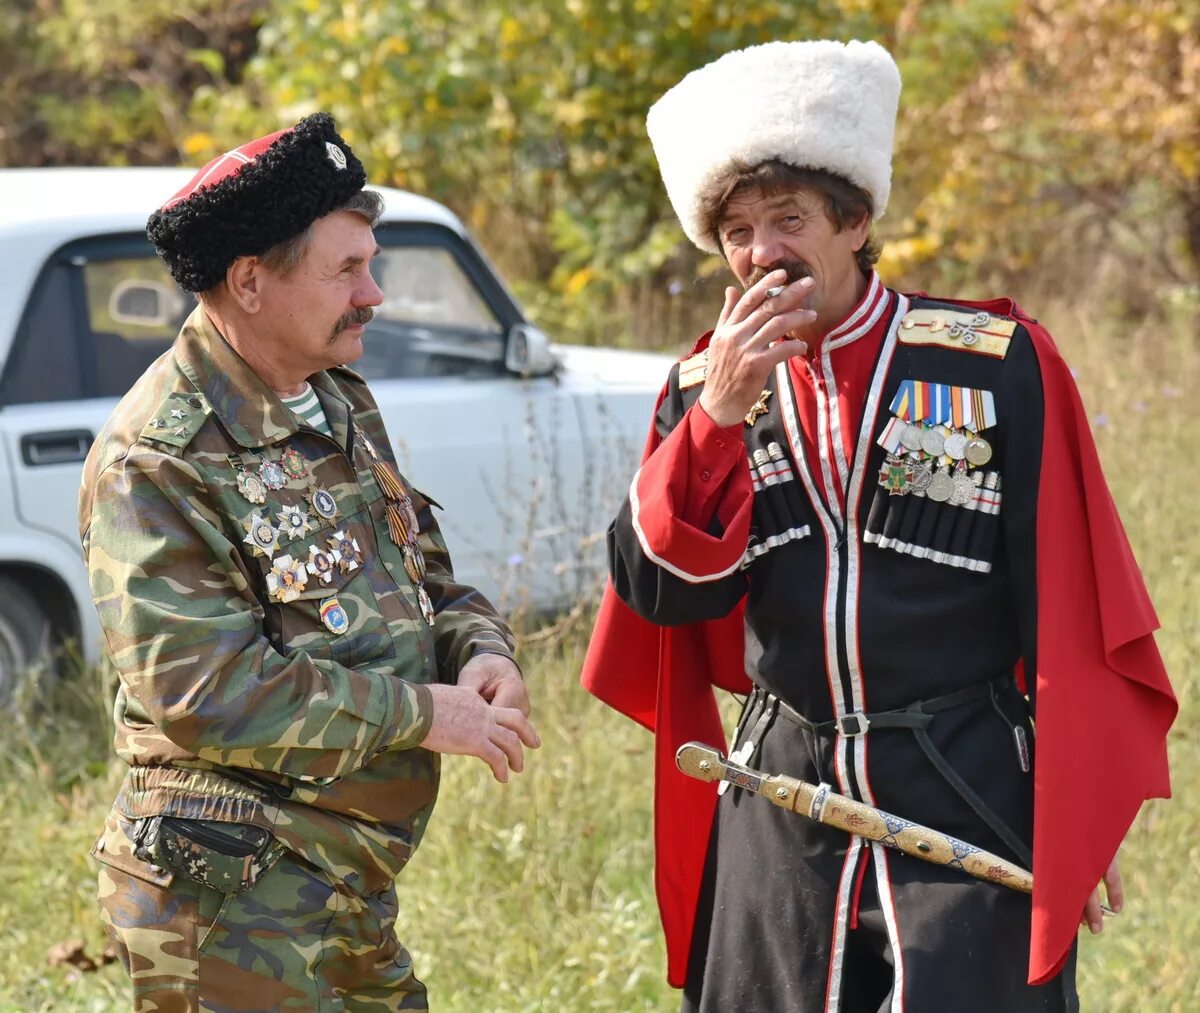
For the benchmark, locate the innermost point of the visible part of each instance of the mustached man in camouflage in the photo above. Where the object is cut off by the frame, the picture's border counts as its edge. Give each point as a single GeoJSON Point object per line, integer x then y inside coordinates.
{"type": "Point", "coordinates": [293, 649]}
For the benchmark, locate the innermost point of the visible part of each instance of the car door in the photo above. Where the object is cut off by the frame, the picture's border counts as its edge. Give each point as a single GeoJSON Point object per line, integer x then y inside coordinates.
{"type": "Point", "coordinates": [74, 354]}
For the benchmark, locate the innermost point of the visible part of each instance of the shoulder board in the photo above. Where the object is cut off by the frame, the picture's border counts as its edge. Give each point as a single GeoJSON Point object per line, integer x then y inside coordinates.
{"type": "Point", "coordinates": [177, 420]}
{"type": "Point", "coordinates": [693, 370]}
{"type": "Point", "coordinates": [977, 332]}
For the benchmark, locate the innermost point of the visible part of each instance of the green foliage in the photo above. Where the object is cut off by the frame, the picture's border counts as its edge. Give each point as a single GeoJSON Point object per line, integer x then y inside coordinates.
{"type": "Point", "coordinates": [1038, 139]}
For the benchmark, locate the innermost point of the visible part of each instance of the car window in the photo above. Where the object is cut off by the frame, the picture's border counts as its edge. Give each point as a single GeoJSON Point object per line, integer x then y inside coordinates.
{"type": "Point", "coordinates": [104, 309]}
{"type": "Point", "coordinates": [434, 319]}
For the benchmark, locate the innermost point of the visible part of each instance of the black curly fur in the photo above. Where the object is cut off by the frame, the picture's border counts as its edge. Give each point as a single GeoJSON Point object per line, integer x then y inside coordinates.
{"type": "Point", "coordinates": [277, 196]}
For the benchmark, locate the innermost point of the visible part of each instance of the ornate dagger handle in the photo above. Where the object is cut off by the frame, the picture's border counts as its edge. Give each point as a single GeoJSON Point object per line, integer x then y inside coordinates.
{"type": "Point", "coordinates": [821, 804]}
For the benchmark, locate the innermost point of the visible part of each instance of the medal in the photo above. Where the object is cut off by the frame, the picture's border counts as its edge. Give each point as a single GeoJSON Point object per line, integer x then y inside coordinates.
{"type": "Point", "coordinates": [978, 451]}
{"type": "Point", "coordinates": [323, 503]}
{"type": "Point", "coordinates": [426, 604]}
{"type": "Point", "coordinates": [932, 442]}
{"type": "Point", "coordinates": [294, 522]}
{"type": "Point", "coordinates": [414, 563]}
{"type": "Point", "coordinates": [261, 535]}
{"type": "Point", "coordinates": [293, 463]}
{"type": "Point", "coordinates": [320, 564]}
{"type": "Point", "coordinates": [962, 487]}
{"type": "Point", "coordinates": [273, 476]}
{"type": "Point", "coordinates": [334, 616]}
{"type": "Point", "coordinates": [251, 487]}
{"type": "Point", "coordinates": [345, 551]}
{"type": "Point", "coordinates": [922, 475]}
{"type": "Point", "coordinates": [286, 579]}
{"type": "Point", "coordinates": [956, 445]}
{"type": "Point", "coordinates": [939, 486]}
{"type": "Point", "coordinates": [910, 438]}
{"type": "Point", "coordinates": [410, 517]}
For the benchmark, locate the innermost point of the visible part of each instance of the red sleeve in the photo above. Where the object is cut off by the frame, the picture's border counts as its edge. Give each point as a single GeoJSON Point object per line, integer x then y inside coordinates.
{"type": "Point", "coordinates": [697, 474]}
{"type": "Point", "coordinates": [1104, 703]}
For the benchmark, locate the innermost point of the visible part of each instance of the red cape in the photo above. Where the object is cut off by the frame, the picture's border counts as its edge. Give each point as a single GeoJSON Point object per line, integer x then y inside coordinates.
{"type": "Point", "coordinates": [1104, 703]}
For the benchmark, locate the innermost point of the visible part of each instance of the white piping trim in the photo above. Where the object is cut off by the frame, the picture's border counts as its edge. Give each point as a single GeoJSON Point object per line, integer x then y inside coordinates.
{"type": "Point", "coordinates": [887, 904]}
{"type": "Point", "coordinates": [691, 578]}
{"type": "Point", "coordinates": [787, 405]}
{"type": "Point", "coordinates": [853, 494]}
{"type": "Point", "coordinates": [876, 302]}
{"type": "Point", "coordinates": [837, 952]}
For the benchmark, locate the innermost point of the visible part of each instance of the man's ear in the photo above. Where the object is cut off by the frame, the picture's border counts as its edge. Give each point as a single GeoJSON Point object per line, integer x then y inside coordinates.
{"type": "Point", "coordinates": [861, 231]}
{"type": "Point", "coordinates": [243, 279]}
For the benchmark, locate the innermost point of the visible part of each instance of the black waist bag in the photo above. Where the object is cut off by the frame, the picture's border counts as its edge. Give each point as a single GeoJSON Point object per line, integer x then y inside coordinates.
{"type": "Point", "coordinates": [228, 857]}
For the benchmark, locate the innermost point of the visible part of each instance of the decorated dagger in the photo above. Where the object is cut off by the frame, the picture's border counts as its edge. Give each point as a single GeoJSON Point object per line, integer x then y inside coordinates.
{"type": "Point", "coordinates": [822, 804]}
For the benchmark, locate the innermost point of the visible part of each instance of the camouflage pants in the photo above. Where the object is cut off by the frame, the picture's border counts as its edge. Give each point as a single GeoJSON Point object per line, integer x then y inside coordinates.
{"type": "Point", "coordinates": [295, 941]}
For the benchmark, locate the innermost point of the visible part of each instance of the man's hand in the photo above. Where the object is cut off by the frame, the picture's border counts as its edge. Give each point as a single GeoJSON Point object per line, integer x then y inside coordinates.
{"type": "Point", "coordinates": [1093, 916]}
{"type": "Point", "coordinates": [740, 353]}
{"type": "Point", "coordinates": [485, 715]}
{"type": "Point", "coordinates": [496, 679]}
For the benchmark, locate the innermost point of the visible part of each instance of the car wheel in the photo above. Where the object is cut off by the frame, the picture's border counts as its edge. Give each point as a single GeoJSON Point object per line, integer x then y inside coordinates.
{"type": "Point", "coordinates": [25, 638]}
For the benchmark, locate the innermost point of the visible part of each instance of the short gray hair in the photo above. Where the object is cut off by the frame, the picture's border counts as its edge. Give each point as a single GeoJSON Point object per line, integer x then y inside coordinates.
{"type": "Point", "coordinates": [283, 258]}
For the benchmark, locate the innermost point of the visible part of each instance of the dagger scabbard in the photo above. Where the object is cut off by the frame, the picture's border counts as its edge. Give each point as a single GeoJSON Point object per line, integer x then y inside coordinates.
{"type": "Point", "coordinates": [818, 802]}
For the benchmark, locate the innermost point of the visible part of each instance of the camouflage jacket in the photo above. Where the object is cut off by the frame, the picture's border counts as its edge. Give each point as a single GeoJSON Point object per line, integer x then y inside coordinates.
{"type": "Point", "coordinates": [235, 705]}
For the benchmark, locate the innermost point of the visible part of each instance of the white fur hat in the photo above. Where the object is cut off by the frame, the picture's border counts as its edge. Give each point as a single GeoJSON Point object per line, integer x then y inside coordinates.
{"type": "Point", "coordinates": [815, 105]}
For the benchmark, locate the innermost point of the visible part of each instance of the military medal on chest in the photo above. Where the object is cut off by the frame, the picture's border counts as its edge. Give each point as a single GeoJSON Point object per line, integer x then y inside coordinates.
{"type": "Point", "coordinates": [261, 535]}
{"type": "Point", "coordinates": [273, 476]}
{"type": "Point", "coordinates": [323, 504]}
{"type": "Point", "coordinates": [293, 464]}
{"type": "Point", "coordinates": [345, 551]}
{"type": "Point", "coordinates": [402, 524]}
{"type": "Point", "coordinates": [294, 522]}
{"type": "Point", "coordinates": [935, 426]}
{"type": "Point", "coordinates": [251, 487]}
{"type": "Point", "coordinates": [286, 579]}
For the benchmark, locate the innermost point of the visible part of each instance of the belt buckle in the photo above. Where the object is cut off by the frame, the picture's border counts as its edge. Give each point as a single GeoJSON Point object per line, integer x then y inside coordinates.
{"type": "Point", "coordinates": [853, 725]}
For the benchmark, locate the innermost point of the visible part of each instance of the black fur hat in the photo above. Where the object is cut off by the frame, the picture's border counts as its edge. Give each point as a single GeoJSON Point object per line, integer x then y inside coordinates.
{"type": "Point", "coordinates": [252, 198]}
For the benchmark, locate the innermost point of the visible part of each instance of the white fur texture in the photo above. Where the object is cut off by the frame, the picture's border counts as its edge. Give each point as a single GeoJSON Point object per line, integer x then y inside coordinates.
{"type": "Point", "coordinates": [816, 105]}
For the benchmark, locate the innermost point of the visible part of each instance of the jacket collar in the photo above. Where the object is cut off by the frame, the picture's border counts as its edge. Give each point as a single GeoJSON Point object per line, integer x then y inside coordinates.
{"type": "Point", "coordinates": [248, 409]}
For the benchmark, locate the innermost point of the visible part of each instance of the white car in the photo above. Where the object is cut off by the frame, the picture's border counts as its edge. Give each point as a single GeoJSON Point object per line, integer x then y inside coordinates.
{"type": "Point", "coordinates": [527, 448]}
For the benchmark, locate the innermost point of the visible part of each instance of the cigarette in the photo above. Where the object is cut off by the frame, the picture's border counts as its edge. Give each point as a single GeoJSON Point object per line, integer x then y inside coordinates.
{"type": "Point", "coordinates": [773, 292]}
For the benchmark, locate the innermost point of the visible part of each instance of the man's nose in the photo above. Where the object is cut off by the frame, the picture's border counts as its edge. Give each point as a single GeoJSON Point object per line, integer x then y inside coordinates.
{"type": "Point", "coordinates": [370, 294]}
{"type": "Point", "coordinates": [768, 250]}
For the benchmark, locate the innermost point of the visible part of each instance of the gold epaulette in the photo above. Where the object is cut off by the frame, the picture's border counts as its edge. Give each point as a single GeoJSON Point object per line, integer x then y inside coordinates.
{"type": "Point", "coordinates": [177, 420]}
{"type": "Point", "coordinates": [965, 331]}
{"type": "Point", "coordinates": [693, 370]}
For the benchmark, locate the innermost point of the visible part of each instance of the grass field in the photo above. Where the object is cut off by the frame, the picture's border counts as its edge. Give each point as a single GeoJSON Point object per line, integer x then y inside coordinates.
{"type": "Point", "coordinates": [537, 896]}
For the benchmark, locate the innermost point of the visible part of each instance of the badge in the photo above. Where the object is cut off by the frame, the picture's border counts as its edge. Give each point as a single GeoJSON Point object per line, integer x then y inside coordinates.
{"type": "Point", "coordinates": [323, 503]}
{"type": "Point", "coordinates": [426, 604]}
{"type": "Point", "coordinates": [414, 563]}
{"type": "Point", "coordinates": [922, 475]}
{"type": "Point", "coordinates": [251, 487]}
{"type": "Point", "coordinates": [261, 535]}
{"type": "Point", "coordinates": [334, 616]}
{"type": "Point", "coordinates": [273, 476]}
{"type": "Point", "coordinates": [287, 578]}
{"type": "Point", "coordinates": [758, 409]}
{"type": "Point", "coordinates": [895, 475]}
{"type": "Point", "coordinates": [294, 522]}
{"type": "Point", "coordinates": [345, 551]}
{"type": "Point", "coordinates": [410, 517]}
{"type": "Point", "coordinates": [956, 445]}
{"type": "Point", "coordinates": [320, 564]}
{"type": "Point", "coordinates": [978, 451]}
{"type": "Point", "coordinates": [932, 442]}
{"type": "Point", "coordinates": [336, 155]}
{"type": "Point", "coordinates": [294, 464]}
{"type": "Point", "coordinates": [939, 486]}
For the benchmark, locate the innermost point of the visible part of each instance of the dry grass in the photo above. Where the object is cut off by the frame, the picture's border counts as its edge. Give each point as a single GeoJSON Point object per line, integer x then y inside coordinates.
{"type": "Point", "coordinates": [537, 896]}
